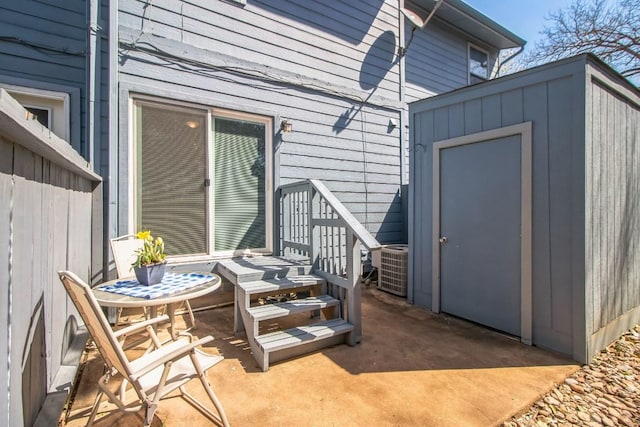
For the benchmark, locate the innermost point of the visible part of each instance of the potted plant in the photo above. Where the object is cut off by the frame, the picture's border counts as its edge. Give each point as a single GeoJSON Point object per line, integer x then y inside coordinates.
{"type": "Point", "coordinates": [150, 261]}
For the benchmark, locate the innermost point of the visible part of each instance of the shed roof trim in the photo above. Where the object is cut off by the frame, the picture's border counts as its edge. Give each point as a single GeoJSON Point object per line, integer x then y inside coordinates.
{"type": "Point", "coordinates": [471, 21]}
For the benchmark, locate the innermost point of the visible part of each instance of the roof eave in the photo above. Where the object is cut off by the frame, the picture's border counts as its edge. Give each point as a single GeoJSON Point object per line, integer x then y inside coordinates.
{"type": "Point", "coordinates": [469, 20]}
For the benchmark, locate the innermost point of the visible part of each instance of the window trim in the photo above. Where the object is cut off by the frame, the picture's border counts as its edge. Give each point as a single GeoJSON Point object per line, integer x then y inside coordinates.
{"type": "Point", "coordinates": [136, 99]}
{"type": "Point", "coordinates": [469, 73]}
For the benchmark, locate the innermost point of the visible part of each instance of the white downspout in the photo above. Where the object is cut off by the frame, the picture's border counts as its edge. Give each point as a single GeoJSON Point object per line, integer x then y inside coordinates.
{"type": "Point", "coordinates": [110, 192]}
{"type": "Point", "coordinates": [404, 114]}
{"type": "Point", "coordinates": [93, 93]}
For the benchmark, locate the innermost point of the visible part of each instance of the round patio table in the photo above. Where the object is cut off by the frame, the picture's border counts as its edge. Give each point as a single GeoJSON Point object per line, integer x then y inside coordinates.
{"type": "Point", "coordinates": [154, 296]}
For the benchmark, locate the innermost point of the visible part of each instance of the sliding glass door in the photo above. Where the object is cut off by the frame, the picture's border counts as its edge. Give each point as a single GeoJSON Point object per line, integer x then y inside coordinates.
{"type": "Point", "coordinates": [202, 178]}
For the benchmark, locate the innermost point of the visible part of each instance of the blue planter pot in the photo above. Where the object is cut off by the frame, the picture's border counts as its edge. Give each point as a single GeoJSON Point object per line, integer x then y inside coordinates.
{"type": "Point", "coordinates": [150, 274]}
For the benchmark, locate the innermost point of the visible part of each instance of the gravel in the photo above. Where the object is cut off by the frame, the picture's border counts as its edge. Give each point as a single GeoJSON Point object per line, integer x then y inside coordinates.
{"type": "Point", "coordinates": [603, 393]}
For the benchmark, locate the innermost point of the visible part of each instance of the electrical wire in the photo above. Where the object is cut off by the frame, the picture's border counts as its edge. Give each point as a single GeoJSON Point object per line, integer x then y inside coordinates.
{"type": "Point", "coordinates": [43, 47]}
{"type": "Point", "coordinates": [205, 68]}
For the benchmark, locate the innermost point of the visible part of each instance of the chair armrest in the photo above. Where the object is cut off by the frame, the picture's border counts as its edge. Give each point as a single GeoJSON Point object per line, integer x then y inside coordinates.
{"type": "Point", "coordinates": [168, 353]}
{"type": "Point", "coordinates": [141, 325]}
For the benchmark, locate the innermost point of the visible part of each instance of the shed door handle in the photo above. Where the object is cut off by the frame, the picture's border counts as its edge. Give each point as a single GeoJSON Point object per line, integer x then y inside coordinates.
{"type": "Point", "coordinates": [443, 240]}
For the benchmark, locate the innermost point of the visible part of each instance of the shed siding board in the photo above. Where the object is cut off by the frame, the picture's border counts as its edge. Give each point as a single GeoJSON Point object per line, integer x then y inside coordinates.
{"type": "Point", "coordinates": [472, 116]}
{"type": "Point", "coordinates": [456, 120]}
{"type": "Point", "coordinates": [593, 213]}
{"type": "Point", "coordinates": [631, 210]}
{"type": "Point", "coordinates": [613, 212]}
{"type": "Point", "coordinates": [512, 106]}
{"type": "Point", "coordinates": [441, 124]}
{"type": "Point", "coordinates": [424, 125]}
{"type": "Point", "coordinates": [536, 110]}
{"type": "Point", "coordinates": [578, 226]}
{"type": "Point", "coordinates": [491, 111]}
{"type": "Point", "coordinates": [560, 141]}
{"type": "Point", "coordinates": [62, 26]}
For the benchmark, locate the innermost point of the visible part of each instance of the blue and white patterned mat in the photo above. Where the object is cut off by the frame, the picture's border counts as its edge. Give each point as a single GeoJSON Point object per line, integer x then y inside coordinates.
{"type": "Point", "coordinates": [172, 283]}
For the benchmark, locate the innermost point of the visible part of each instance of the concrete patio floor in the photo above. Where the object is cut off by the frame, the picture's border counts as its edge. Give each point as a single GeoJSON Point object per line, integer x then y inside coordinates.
{"type": "Point", "coordinates": [412, 367]}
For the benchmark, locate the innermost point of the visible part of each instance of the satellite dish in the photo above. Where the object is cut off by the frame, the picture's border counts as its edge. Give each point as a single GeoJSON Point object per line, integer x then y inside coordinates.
{"type": "Point", "coordinates": [417, 22]}
{"type": "Point", "coordinates": [412, 16]}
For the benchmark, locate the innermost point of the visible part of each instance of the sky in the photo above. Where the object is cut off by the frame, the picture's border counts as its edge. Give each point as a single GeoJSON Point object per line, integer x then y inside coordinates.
{"type": "Point", "coordinates": [525, 18]}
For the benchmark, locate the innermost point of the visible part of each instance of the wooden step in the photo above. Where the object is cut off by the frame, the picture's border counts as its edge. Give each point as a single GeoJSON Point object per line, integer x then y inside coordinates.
{"type": "Point", "coordinates": [250, 269]}
{"type": "Point", "coordinates": [280, 285]}
{"type": "Point", "coordinates": [282, 309]}
{"type": "Point", "coordinates": [303, 335]}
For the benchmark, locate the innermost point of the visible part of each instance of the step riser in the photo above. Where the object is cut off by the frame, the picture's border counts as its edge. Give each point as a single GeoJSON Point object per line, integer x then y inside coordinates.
{"type": "Point", "coordinates": [274, 311]}
{"type": "Point", "coordinates": [281, 285]}
{"type": "Point", "coordinates": [288, 353]}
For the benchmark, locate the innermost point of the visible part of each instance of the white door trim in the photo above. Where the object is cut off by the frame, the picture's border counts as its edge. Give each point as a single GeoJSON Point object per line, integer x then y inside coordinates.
{"type": "Point", "coordinates": [526, 182]}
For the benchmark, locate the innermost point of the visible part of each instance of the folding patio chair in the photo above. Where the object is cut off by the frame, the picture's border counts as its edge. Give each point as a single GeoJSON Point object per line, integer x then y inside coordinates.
{"type": "Point", "coordinates": [152, 376]}
{"type": "Point", "coordinates": [124, 254]}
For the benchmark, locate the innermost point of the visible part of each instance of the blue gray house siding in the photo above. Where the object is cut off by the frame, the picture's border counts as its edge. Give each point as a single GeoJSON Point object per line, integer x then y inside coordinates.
{"type": "Point", "coordinates": [43, 45]}
{"type": "Point", "coordinates": [329, 67]}
{"type": "Point", "coordinates": [437, 62]}
{"type": "Point", "coordinates": [586, 216]}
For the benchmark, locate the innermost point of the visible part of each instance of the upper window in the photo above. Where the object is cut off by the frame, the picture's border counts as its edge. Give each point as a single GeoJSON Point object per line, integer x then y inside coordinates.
{"type": "Point", "coordinates": [478, 65]}
{"type": "Point", "coordinates": [49, 108]}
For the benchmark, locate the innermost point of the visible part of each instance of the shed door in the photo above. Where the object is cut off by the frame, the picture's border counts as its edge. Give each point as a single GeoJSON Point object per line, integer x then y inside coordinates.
{"type": "Point", "coordinates": [480, 217]}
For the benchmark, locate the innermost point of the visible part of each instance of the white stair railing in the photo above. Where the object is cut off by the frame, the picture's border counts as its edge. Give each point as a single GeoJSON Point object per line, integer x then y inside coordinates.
{"type": "Point", "coordinates": [315, 225]}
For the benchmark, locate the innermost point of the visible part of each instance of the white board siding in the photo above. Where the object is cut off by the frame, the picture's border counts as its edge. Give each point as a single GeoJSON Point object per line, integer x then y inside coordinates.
{"type": "Point", "coordinates": [278, 35]}
{"type": "Point", "coordinates": [613, 243]}
{"type": "Point", "coordinates": [315, 152]}
{"type": "Point", "coordinates": [334, 134]}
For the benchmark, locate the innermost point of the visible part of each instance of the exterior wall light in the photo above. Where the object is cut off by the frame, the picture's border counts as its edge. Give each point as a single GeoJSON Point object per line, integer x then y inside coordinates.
{"type": "Point", "coordinates": [192, 124]}
{"type": "Point", "coordinates": [286, 126]}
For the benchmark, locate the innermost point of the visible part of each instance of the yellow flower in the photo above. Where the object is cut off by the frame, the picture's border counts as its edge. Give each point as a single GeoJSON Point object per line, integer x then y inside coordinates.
{"type": "Point", "coordinates": [144, 235]}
